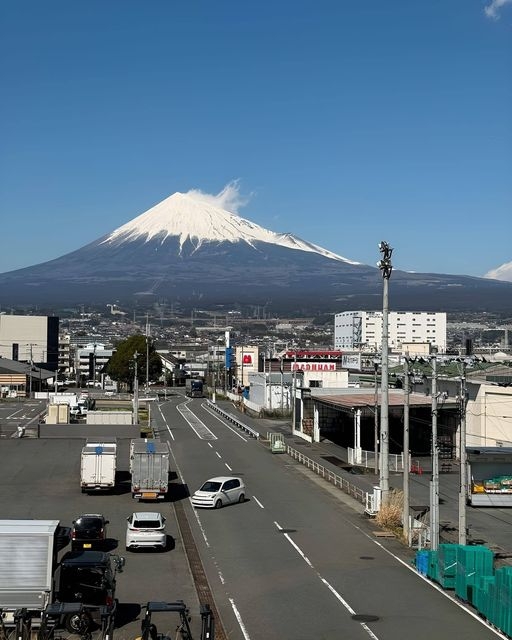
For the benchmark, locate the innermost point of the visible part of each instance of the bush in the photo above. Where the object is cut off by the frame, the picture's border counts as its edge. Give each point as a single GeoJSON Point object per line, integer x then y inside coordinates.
{"type": "Point", "coordinates": [390, 514]}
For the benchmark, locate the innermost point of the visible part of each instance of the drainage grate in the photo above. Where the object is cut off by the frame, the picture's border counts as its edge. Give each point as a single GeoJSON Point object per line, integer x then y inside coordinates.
{"type": "Point", "coordinates": [338, 462]}
{"type": "Point", "coordinates": [366, 558]}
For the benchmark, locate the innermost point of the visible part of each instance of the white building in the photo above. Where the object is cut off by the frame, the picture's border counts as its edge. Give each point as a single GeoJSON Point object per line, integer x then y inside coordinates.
{"type": "Point", "coordinates": [91, 360]}
{"type": "Point", "coordinates": [363, 330]}
{"type": "Point", "coordinates": [30, 339]}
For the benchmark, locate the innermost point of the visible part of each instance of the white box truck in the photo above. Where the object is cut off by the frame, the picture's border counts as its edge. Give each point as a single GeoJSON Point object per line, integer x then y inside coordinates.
{"type": "Point", "coordinates": [149, 466]}
{"type": "Point", "coordinates": [98, 466]}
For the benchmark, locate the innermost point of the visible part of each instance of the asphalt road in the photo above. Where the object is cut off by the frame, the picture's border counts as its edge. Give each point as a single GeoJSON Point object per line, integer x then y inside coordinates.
{"type": "Point", "coordinates": [295, 561]}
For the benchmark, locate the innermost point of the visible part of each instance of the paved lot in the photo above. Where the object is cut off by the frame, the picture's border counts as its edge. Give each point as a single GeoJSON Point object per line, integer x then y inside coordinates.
{"type": "Point", "coordinates": [40, 479]}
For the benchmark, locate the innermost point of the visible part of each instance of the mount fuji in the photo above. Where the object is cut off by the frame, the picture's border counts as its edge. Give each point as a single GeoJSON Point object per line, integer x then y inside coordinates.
{"type": "Point", "coordinates": [190, 251]}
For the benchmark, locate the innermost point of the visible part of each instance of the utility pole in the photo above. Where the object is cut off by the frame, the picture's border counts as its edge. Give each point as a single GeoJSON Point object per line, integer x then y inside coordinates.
{"type": "Point", "coordinates": [30, 378]}
{"type": "Point", "coordinates": [463, 459]}
{"type": "Point", "coordinates": [434, 483]}
{"type": "Point", "coordinates": [386, 268]}
{"type": "Point", "coordinates": [135, 392]}
{"type": "Point", "coordinates": [94, 367]}
{"type": "Point", "coordinates": [405, 515]}
{"type": "Point", "coordinates": [147, 355]}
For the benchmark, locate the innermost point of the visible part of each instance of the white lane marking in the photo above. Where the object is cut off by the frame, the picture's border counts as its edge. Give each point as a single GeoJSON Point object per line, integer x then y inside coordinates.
{"type": "Point", "coordinates": [239, 618]}
{"type": "Point", "coordinates": [199, 427]}
{"type": "Point", "coordinates": [210, 444]}
{"type": "Point", "coordinates": [221, 577]}
{"type": "Point", "coordinates": [201, 528]}
{"type": "Point", "coordinates": [218, 454]}
{"type": "Point", "coordinates": [435, 586]}
{"type": "Point", "coordinates": [165, 422]}
{"type": "Point", "coordinates": [15, 413]}
{"type": "Point", "coordinates": [212, 413]}
{"type": "Point", "coordinates": [324, 581]}
{"type": "Point", "coordinates": [180, 475]}
{"type": "Point", "coordinates": [227, 465]}
{"type": "Point", "coordinates": [258, 502]}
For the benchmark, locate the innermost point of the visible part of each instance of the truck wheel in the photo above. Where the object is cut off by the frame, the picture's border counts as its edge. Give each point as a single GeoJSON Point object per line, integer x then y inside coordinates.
{"type": "Point", "coordinates": [218, 504]}
{"type": "Point", "coordinates": [77, 622]}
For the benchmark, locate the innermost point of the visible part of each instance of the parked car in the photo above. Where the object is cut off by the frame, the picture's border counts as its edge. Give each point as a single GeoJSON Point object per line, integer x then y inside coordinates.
{"type": "Point", "coordinates": [146, 529]}
{"type": "Point", "coordinates": [89, 531]}
{"type": "Point", "coordinates": [217, 492]}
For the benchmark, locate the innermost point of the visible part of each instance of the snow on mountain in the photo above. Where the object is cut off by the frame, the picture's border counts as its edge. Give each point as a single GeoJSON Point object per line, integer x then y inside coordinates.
{"type": "Point", "coordinates": [503, 272]}
{"type": "Point", "coordinates": [191, 217]}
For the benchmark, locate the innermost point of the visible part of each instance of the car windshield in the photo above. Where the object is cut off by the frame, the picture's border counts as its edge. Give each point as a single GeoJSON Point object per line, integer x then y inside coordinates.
{"type": "Point", "coordinates": [210, 487]}
{"type": "Point", "coordinates": [147, 524]}
{"type": "Point", "coordinates": [88, 524]}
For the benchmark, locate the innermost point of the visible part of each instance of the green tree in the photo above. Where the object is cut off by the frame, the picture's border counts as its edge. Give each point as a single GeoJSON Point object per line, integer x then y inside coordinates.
{"type": "Point", "coordinates": [121, 366]}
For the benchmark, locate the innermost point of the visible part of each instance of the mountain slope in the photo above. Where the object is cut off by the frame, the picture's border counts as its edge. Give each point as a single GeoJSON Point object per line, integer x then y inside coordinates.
{"type": "Point", "coordinates": [186, 250]}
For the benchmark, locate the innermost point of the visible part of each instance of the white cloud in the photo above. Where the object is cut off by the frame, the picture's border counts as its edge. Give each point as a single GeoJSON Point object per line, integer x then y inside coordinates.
{"type": "Point", "coordinates": [492, 10]}
{"type": "Point", "coordinates": [504, 272]}
{"type": "Point", "coordinates": [229, 198]}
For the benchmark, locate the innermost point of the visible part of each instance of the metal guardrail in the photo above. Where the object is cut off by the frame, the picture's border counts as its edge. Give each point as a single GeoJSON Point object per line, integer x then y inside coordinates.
{"type": "Point", "coordinates": [362, 458]}
{"type": "Point", "coordinates": [346, 486]}
{"type": "Point", "coordinates": [234, 420]}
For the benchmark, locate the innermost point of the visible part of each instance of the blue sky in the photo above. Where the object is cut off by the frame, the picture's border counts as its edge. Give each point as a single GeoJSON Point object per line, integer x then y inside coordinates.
{"type": "Point", "coordinates": [345, 123]}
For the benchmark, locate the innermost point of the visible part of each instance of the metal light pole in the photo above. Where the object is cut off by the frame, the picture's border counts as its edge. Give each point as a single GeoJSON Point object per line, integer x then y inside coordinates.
{"type": "Point", "coordinates": [147, 355]}
{"type": "Point", "coordinates": [463, 460]}
{"type": "Point", "coordinates": [376, 416]}
{"type": "Point", "coordinates": [386, 268]}
{"type": "Point", "coordinates": [135, 393]}
{"type": "Point", "coordinates": [405, 515]}
{"type": "Point", "coordinates": [434, 483]}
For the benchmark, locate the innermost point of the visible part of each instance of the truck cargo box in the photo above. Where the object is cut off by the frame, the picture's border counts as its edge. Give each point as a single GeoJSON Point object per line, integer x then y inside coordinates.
{"type": "Point", "coordinates": [98, 466]}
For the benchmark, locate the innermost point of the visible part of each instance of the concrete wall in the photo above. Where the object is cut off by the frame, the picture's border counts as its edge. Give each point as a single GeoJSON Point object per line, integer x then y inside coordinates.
{"type": "Point", "coordinates": [88, 431]}
{"type": "Point", "coordinates": [109, 417]}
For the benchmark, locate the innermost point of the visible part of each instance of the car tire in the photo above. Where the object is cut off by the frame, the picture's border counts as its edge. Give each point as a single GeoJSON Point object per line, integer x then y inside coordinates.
{"type": "Point", "coordinates": [241, 498]}
{"type": "Point", "coordinates": [218, 504]}
{"type": "Point", "coordinates": [78, 623]}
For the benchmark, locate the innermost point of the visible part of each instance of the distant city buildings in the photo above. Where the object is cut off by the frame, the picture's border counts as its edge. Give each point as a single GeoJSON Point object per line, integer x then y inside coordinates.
{"type": "Point", "coordinates": [362, 330]}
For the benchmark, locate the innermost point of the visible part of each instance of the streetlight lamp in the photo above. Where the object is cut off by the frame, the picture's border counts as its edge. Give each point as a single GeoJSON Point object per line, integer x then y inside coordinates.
{"type": "Point", "coordinates": [386, 268]}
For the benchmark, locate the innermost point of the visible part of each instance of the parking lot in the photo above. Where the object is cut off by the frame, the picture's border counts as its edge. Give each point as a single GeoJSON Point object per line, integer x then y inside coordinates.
{"type": "Point", "coordinates": [40, 479]}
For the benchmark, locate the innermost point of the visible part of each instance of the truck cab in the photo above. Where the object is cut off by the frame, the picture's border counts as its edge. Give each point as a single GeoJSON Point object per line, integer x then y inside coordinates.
{"type": "Point", "coordinates": [89, 578]}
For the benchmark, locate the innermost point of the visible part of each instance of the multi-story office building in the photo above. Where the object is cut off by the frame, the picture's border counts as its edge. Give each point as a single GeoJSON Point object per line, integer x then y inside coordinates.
{"type": "Point", "coordinates": [90, 361]}
{"type": "Point", "coordinates": [30, 339]}
{"type": "Point", "coordinates": [362, 330]}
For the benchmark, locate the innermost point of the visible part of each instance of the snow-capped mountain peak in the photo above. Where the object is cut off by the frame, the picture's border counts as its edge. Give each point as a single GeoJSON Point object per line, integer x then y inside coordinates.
{"type": "Point", "coordinates": [190, 217]}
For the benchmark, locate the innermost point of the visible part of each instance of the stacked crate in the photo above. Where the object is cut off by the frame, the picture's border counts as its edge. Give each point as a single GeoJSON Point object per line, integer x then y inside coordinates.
{"type": "Point", "coordinates": [473, 561]}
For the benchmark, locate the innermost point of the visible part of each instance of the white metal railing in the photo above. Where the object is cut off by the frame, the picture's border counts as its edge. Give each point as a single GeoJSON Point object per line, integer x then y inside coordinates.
{"type": "Point", "coordinates": [328, 475]}
{"type": "Point", "coordinates": [362, 458]}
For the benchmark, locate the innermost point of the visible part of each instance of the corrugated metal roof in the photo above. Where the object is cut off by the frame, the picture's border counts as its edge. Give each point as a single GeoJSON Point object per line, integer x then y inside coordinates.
{"type": "Point", "coordinates": [395, 399]}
